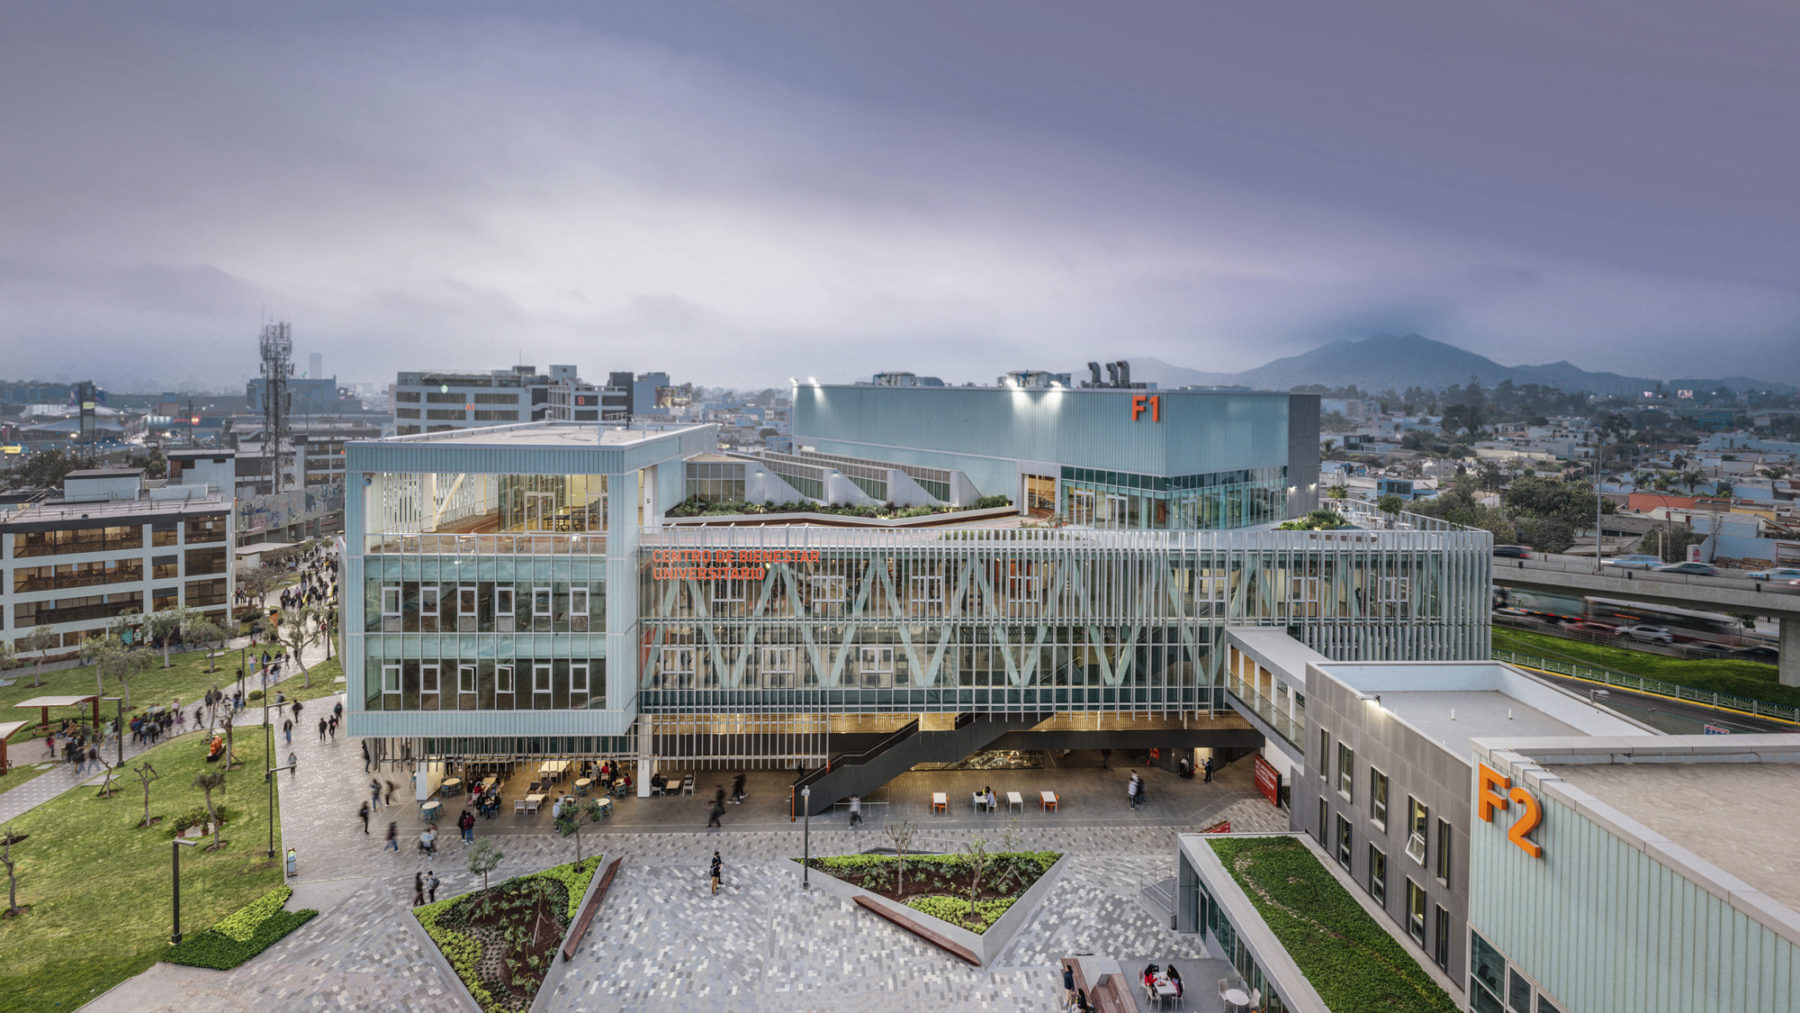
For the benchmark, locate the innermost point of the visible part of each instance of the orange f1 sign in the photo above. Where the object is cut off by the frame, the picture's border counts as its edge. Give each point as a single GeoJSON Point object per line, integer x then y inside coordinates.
{"type": "Point", "coordinates": [1489, 783]}
{"type": "Point", "coordinates": [1152, 403]}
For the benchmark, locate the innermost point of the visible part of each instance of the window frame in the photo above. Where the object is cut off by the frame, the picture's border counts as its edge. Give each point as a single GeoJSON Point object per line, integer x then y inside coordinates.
{"type": "Point", "coordinates": [1378, 798]}
{"type": "Point", "coordinates": [1303, 590]}
{"type": "Point", "coordinates": [1443, 861]}
{"type": "Point", "coordinates": [582, 686]}
{"type": "Point", "coordinates": [1415, 923]}
{"type": "Point", "coordinates": [1394, 591]}
{"type": "Point", "coordinates": [505, 681]}
{"type": "Point", "coordinates": [468, 601]}
{"type": "Point", "coordinates": [1418, 824]}
{"type": "Point", "coordinates": [1344, 841]}
{"type": "Point", "coordinates": [880, 652]}
{"type": "Point", "coordinates": [1440, 949]}
{"type": "Point", "coordinates": [545, 685]}
{"type": "Point", "coordinates": [398, 591]}
{"type": "Point", "coordinates": [828, 588]}
{"type": "Point", "coordinates": [666, 666]}
{"type": "Point", "coordinates": [467, 678]}
{"type": "Point", "coordinates": [431, 680]}
{"type": "Point", "coordinates": [1377, 861]}
{"type": "Point", "coordinates": [1346, 771]}
{"type": "Point", "coordinates": [548, 594]}
{"type": "Point", "coordinates": [767, 652]}
{"type": "Point", "coordinates": [504, 593]}
{"type": "Point", "coordinates": [433, 594]}
{"type": "Point", "coordinates": [392, 677]}
{"type": "Point", "coordinates": [581, 594]}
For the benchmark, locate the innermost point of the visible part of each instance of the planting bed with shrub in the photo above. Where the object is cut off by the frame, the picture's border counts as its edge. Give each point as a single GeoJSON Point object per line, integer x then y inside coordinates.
{"type": "Point", "coordinates": [503, 940]}
{"type": "Point", "coordinates": [940, 885]}
{"type": "Point", "coordinates": [241, 935]}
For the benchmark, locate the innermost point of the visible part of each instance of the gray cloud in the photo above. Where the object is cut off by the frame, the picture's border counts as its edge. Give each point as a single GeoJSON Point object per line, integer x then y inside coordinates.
{"type": "Point", "coordinates": [747, 194]}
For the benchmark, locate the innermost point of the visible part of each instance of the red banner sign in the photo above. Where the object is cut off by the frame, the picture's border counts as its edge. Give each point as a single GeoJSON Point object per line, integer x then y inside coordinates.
{"type": "Point", "coordinates": [1218, 828]}
{"type": "Point", "coordinates": [1268, 781]}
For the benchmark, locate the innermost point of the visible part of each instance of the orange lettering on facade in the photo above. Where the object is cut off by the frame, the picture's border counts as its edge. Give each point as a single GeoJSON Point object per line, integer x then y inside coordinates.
{"type": "Point", "coordinates": [723, 564]}
{"type": "Point", "coordinates": [1141, 403]}
{"type": "Point", "coordinates": [1489, 783]}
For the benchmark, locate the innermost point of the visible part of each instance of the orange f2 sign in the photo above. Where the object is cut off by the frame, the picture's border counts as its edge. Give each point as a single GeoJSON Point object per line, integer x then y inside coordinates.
{"type": "Point", "coordinates": [1489, 784]}
{"type": "Point", "coordinates": [1152, 403]}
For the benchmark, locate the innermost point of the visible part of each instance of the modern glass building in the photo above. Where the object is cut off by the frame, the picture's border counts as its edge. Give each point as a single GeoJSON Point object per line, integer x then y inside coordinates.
{"type": "Point", "coordinates": [520, 591]}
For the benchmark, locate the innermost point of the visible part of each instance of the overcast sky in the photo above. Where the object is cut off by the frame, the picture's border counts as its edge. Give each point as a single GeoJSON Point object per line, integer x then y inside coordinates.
{"type": "Point", "coordinates": [740, 193]}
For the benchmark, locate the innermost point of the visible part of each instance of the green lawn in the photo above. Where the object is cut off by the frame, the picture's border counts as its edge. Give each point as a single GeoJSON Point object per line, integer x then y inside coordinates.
{"type": "Point", "coordinates": [1352, 961]}
{"type": "Point", "coordinates": [99, 888]}
{"type": "Point", "coordinates": [186, 679]}
{"type": "Point", "coordinates": [1735, 676]}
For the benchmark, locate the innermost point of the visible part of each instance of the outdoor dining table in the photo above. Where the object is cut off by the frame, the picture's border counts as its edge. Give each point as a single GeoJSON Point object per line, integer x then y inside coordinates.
{"type": "Point", "coordinates": [940, 802]}
{"type": "Point", "coordinates": [489, 781]}
{"type": "Point", "coordinates": [1013, 798]}
{"type": "Point", "coordinates": [1166, 992]}
{"type": "Point", "coordinates": [583, 784]}
{"type": "Point", "coordinates": [555, 768]}
{"type": "Point", "coordinates": [451, 786]}
{"type": "Point", "coordinates": [430, 810]}
{"type": "Point", "coordinates": [1047, 799]}
{"type": "Point", "coordinates": [1237, 997]}
{"type": "Point", "coordinates": [532, 802]}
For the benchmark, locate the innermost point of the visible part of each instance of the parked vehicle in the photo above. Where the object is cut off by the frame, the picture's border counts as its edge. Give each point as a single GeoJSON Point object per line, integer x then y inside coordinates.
{"type": "Point", "coordinates": [1692, 569]}
{"type": "Point", "coordinates": [1633, 562]}
{"type": "Point", "coordinates": [1775, 573]}
{"type": "Point", "coordinates": [1648, 634]}
{"type": "Point", "coordinates": [1513, 551]}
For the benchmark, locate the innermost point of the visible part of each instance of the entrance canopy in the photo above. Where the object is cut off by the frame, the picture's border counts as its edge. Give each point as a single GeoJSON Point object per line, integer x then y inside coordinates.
{"type": "Point", "coordinates": [7, 728]}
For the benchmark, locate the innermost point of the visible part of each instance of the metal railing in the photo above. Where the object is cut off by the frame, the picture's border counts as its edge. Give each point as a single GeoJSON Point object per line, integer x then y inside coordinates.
{"type": "Point", "coordinates": [1656, 687]}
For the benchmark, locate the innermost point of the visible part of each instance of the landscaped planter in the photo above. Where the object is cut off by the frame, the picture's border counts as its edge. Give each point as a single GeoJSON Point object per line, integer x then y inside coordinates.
{"type": "Point", "coordinates": [936, 895]}
{"type": "Point", "coordinates": [502, 941]}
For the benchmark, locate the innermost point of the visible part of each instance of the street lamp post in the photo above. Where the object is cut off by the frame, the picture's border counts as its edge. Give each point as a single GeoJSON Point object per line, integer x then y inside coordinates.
{"type": "Point", "coordinates": [269, 765]}
{"type": "Point", "coordinates": [175, 859]}
{"type": "Point", "coordinates": [806, 837]}
{"type": "Point", "coordinates": [1598, 502]}
{"type": "Point", "coordinates": [118, 727]}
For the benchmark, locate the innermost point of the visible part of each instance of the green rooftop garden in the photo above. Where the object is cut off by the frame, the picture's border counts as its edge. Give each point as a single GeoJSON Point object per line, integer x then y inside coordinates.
{"type": "Point", "coordinates": [1350, 959]}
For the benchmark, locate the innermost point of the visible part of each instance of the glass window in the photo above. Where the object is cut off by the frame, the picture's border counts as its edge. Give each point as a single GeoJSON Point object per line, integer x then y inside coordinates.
{"type": "Point", "coordinates": [1440, 951]}
{"type": "Point", "coordinates": [1486, 965]}
{"type": "Point", "coordinates": [465, 678]}
{"type": "Point", "coordinates": [1417, 818]}
{"type": "Point", "coordinates": [390, 680]}
{"type": "Point", "coordinates": [1443, 851]}
{"type": "Point", "coordinates": [578, 678]}
{"type": "Point", "coordinates": [503, 601]}
{"type": "Point", "coordinates": [390, 600]}
{"type": "Point", "coordinates": [540, 679]}
{"type": "Point", "coordinates": [876, 659]}
{"type": "Point", "coordinates": [778, 660]}
{"type": "Point", "coordinates": [1378, 875]}
{"type": "Point", "coordinates": [428, 601]}
{"type": "Point", "coordinates": [1346, 769]}
{"type": "Point", "coordinates": [1546, 1006]}
{"type": "Point", "coordinates": [1343, 842]}
{"type": "Point", "coordinates": [1324, 753]}
{"type": "Point", "coordinates": [1518, 993]}
{"type": "Point", "coordinates": [1322, 823]}
{"type": "Point", "coordinates": [467, 601]}
{"type": "Point", "coordinates": [428, 685]}
{"type": "Point", "coordinates": [540, 602]}
{"type": "Point", "coordinates": [578, 601]}
{"type": "Point", "coordinates": [503, 681]}
{"type": "Point", "coordinates": [1304, 589]}
{"type": "Point", "coordinates": [1415, 912]}
{"type": "Point", "coordinates": [1378, 791]}
{"type": "Point", "coordinates": [1483, 1001]}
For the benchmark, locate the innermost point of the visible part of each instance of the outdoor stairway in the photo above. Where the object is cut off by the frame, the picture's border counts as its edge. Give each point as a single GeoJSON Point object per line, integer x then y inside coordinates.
{"type": "Point", "coordinates": [862, 773]}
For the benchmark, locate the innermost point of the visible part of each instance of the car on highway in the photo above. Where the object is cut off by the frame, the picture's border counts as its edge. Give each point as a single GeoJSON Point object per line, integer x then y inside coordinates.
{"type": "Point", "coordinates": [1759, 653]}
{"type": "Point", "coordinates": [1648, 634]}
{"type": "Point", "coordinates": [1707, 647]}
{"type": "Point", "coordinates": [1633, 562]}
{"type": "Point", "coordinates": [1778, 573]}
{"type": "Point", "coordinates": [1690, 568]}
{"type": "Point", "coordinates": [1513, 551]}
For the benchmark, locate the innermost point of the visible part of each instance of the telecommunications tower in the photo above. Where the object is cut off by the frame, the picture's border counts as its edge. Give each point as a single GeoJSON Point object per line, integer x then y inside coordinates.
{"type": "Point", "coordinates": [277, 366]}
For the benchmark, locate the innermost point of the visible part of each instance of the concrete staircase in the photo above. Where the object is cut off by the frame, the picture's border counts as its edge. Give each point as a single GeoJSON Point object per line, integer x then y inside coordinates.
{"type": "Point", "coordinates": [862, 773]}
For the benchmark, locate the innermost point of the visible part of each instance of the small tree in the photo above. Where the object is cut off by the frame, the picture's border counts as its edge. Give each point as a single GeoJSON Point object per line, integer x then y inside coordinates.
{"type": "Point", "coordinates": [1390, 504]}
{"type": "Point", "coordinates": [295, 633]}
{"type": "Point", "coordinates": [484, 859]}
{"type": "Point", "coordinates": [257, 581]}
{"type": "Point", "coordinates": [572, 818]}
{"type": "Point", "coordinates": [901, 833]}
{"type": "Point", "coordinates": [209, 783]}
{"type": "Point", "coordinates": [208, 634]}
{"type": "Point", "coordinates": [12, 873]}
{"type": "Point", "coordinates": [164, 625]}
{"type": "Point", "coordinates": [43, 640]}
{"type": "Point", "coordinates": [106, 787]}
{"type": "Point", "coordinates": [7, 657]}
{"type": "Point", "coordinates": [110, 656]}
{"type": "Point", "coordinates": [328, 627]}
{"type": "Point", "coordinates": [980, 858]}
{"type": "Point", "coordinates": [146, 774]}
{"type": "Point", "coordinates": [230, 720]}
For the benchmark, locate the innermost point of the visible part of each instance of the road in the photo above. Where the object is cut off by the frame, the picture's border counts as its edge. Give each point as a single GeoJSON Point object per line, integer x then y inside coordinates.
{"type": "Point", "coordinates": [1675, 717]}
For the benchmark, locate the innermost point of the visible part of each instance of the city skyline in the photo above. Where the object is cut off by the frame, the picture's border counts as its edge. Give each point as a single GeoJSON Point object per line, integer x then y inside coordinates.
{"type": "Point", "coordinates": [827, 191]}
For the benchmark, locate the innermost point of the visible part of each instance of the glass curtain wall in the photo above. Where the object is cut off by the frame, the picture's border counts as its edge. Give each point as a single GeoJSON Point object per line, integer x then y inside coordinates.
{"type": "Point", "coordinates": [1227, 499]}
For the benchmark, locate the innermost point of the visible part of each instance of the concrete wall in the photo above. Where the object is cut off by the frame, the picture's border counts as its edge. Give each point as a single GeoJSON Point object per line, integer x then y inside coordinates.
{"type": "Point", "coordinates": [1415, 767]}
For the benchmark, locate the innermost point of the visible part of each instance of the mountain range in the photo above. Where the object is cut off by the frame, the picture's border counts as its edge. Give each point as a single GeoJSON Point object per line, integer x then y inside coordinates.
{"type": "Point", "coordinates": [1385, 361]}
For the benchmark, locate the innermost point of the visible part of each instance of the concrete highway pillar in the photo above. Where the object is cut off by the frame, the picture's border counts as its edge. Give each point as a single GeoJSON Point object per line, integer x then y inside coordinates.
{"type": "Point", "coordinates": [1789, 666]}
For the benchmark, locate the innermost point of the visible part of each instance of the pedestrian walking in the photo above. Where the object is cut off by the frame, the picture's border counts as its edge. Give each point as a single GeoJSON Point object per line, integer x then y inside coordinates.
{"type": "Point", "coordinates": [466, 823]}
{"type": "Point", "coordinates": [50, 744]}
{"type": "Point", "coordinates": [855, 810]}
{"type": "Point", "coordinates": [287, 729]}
{"type": "Point", "coordinates": [337, 709]}
{"type": "Point", "coordinates": [431, 885]}
{"type": "Point", "coordinates": [718, 810]}
{"type": "Point", "coordinates": [293, 766]}
{"type": "Point", "coordinates": [717, 866]}
{"type": "Point", "coordinates": [1207, 767]}
{"type": "Point", "coordinates": [333, 727]}
{"type": "Point", "coordinates": [364, 813]}
{"type": "Point", "coordinates": [393, 837]}
{"type": "Point", "coordinates": [1131, 792]}
{"type": "Point", "coordinates": [322, 729]}
{"type": "Point", "coordinates": [365, 752]}
{"type": "Point", "coordinates": [737, 789]}
{"type": "Point", "coordinates": [296, 710]}
{"type": "Point", "coordinates": [418, 889]}
{"type": "Point", "coordinates": [390, 793]}
{"type": "Point", "coordinates": [374, 793]}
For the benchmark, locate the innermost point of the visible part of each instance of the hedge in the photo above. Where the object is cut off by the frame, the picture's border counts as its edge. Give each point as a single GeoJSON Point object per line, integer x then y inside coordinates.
{"type": "Point", "coordinates": [242, 934]}
{"type": "Point", "coordinates": [955, 910]}
{"type": "Point", "coordinates": [1350, 959]}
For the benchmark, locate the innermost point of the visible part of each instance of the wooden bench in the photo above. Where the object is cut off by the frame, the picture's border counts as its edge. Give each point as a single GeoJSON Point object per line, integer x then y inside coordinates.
{"type": "Point", "coordinates": [954, 949]}
{"type": "Point", "coordinates": [1108, 995]}
{"type": "Point", "coordinates": [588, 911]}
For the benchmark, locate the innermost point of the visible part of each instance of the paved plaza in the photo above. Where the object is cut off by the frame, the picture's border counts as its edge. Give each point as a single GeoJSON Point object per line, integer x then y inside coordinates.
{"type": "Point", "coordinates": [663, 942]}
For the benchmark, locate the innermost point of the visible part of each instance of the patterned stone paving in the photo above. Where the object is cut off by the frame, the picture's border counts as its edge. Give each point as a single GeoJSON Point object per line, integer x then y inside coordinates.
{"type": "Point", "coordinates": [663, 941]}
